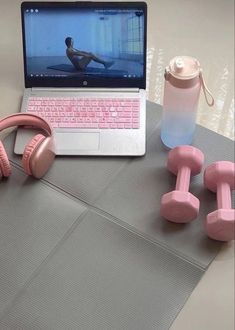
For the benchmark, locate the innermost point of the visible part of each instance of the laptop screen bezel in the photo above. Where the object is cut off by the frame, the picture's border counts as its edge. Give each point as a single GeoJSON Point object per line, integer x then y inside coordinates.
{"type": "Point", "coordinates": [97, 82]}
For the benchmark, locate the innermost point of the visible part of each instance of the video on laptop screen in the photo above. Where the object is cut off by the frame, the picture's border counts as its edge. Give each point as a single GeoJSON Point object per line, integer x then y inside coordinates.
{"type": "Point", "coordinates": [81, 42]}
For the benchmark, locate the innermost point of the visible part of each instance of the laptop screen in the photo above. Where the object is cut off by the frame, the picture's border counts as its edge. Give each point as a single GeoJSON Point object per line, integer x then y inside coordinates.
{"type": "Point", "coordinates": [84, 44]}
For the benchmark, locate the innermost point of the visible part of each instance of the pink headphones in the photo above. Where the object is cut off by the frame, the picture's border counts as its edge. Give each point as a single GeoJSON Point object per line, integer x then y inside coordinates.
{"type": "Point", "coordinates": [38, 154]}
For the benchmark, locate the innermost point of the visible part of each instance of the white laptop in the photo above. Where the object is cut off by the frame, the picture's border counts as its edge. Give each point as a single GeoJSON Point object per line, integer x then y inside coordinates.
{"type": "Point", "coordinates": [85, 72]}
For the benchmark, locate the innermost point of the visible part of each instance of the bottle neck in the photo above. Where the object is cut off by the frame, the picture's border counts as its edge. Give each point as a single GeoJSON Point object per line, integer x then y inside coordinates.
{"type": "Point", "coordinates": [183, 83]}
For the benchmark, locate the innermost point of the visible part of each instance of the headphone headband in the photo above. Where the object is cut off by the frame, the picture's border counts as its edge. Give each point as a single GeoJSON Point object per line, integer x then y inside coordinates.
{"type": "Point", "coordinates": [21, 119]}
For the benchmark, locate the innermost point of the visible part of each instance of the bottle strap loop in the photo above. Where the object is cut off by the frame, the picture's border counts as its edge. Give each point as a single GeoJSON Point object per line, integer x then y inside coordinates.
{"type": "Point", "coordinates": [206, 91]}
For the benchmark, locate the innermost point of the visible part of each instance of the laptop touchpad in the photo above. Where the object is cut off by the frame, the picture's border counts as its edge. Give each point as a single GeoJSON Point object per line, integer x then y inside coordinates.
{"type": "Point", "coordinates": [77, 141]}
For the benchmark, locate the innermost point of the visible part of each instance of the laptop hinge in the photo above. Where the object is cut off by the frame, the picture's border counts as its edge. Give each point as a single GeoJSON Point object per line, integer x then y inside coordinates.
{"type": "Point", "coordinates": [84, 90]}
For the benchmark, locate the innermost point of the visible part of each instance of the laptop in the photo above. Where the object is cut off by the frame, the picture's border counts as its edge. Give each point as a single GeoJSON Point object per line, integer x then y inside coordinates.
{"type": "Point", "coordinates": [85, 73]}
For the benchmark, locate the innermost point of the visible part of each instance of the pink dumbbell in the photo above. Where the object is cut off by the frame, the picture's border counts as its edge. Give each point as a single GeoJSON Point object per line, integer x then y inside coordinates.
{"type": "Point", "coordinates": [220, 177]}
{"type": "Point", "coordinates": [180, 205]}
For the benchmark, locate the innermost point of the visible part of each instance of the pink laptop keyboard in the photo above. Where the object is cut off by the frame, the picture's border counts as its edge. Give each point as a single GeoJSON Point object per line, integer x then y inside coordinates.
{"type": "Point", "coordinates": [75, 112]}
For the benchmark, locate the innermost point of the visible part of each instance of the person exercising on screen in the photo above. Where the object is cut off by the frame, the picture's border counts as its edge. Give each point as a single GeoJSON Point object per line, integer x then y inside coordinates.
{"type": "Point", "coordinates": [81, 59]}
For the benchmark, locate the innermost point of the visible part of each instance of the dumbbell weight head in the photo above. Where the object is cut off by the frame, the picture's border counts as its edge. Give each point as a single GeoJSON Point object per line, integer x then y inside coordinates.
{"type": "Point", "coordinates": [185, 156]}
{"type": "Point", "coordinates": [220, 225]}
{"type": "Point", "coordinates": [222, 171]}
{"type": "Point", "coordinates": [180, 205]}
{"type": "Point", "coordinates": [220, 177]}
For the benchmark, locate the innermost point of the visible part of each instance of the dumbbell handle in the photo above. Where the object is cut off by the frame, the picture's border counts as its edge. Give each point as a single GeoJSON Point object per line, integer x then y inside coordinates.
{"type": "Point", "coordinates": [183, 179]}
{"type": "Point", "coordinates": [224, 196]}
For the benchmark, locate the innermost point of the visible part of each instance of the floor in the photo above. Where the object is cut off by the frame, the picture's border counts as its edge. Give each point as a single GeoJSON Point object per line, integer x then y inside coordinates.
{"type": "Point", "coordinates": [203, 29]}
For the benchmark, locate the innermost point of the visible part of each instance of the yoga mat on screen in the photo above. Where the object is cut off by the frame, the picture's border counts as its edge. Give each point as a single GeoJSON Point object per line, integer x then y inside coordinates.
{"type": "Point", "coordinates": [88, 70]}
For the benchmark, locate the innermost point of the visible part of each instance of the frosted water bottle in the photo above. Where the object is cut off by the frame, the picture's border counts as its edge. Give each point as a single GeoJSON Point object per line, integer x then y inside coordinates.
{"type": "Point", "coordinates": [183, 83]}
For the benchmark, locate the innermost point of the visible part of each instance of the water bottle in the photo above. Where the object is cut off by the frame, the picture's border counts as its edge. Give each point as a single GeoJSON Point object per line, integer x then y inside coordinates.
{"type": "Point", "coordinates": [183, 83]}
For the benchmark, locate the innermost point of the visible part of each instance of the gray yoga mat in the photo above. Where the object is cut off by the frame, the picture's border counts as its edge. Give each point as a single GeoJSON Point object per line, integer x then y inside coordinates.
{"type": "Point", "coordinates": [120, 266]}
{"type": "Point", "coordinates": [130, 189]}
{"type": "Point", "coordinates": [104, 277]}
{"type": "Point", "coordinates": [33, 220]}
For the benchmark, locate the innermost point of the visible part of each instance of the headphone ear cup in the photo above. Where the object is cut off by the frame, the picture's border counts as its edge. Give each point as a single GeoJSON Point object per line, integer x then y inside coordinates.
{"type": "Point", "coordinates": [5, 167]}
{"type": "Point", "coordinates": [29, 151]}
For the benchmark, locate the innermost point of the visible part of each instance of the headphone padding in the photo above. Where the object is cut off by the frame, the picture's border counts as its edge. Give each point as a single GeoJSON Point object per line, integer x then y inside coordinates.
{"type": "Point", "coordinates": [5, 167]}
{"type": "Point", "coordinates": [29, 150]}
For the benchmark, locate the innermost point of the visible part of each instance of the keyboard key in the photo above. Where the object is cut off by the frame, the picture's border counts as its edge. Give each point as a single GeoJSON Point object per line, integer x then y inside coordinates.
{"type": "Point", "coordinates": [135, 126]}
{"type": "Point", "coordinates": [103, 125]}
{"type": "Point", "coordinates": [135, 114]}
{"type": "Point", "coordinates": [135, 120]}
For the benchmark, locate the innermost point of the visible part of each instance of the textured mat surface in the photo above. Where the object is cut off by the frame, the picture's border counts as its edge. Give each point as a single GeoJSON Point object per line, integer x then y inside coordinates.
{"type": "Point", "coordinates": [33, 219]}
{"type": "Point", "coordinates": [104, 277]}
{"type": "Point", "coordinates": [121, 266]}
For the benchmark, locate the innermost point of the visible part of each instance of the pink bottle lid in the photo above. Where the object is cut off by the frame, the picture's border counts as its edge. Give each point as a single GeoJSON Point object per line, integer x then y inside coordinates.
{"type": "Point", "coordinates": [185, 72]}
